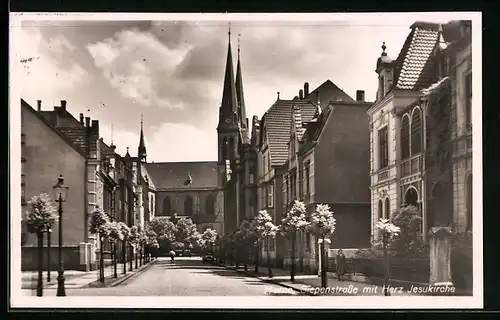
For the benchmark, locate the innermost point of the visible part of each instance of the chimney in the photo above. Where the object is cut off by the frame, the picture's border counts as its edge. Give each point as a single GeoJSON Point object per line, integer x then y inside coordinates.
{"type": "Point", "coordinates": [306, 89]}
{"type": "Point", "coordinates": [39, 105]}
{"type": "Point", "coordinates": [81, 118]}
{"type": "Point", "coordinates": [278, 95]}
{"type": "Point", "coordinates": [87, 121]}
{"type": "Point", "coordinates": [360, 95]}
{"type": "Point", "coordinates": [301, 94]}
{"type": "Point", "coordinates": [63, 104]}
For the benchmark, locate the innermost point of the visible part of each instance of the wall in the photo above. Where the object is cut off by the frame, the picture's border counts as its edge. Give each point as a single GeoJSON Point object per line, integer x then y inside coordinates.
{"type": "Point", "coordinates": [352, 226]}
{"type": "Point", "coordinates": [342, 157]}
{"type": "Point", "coordinates": [48, 156]}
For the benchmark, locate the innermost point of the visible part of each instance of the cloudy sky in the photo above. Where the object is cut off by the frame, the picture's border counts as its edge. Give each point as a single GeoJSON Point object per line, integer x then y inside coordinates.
{"type": "Point", "coordinates": [172, 71]}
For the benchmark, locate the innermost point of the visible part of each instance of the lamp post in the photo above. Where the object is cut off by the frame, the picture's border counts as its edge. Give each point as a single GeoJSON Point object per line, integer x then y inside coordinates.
{"type": "Point", "coordinates": [60, 193]}
{"type": "Point", "coordinates": [49, 232]}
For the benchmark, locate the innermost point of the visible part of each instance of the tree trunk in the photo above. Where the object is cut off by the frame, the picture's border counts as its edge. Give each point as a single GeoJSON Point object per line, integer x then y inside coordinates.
{"type": "Point", "coordinates": [124, 256]}
{"type": "Point", "coordinates": [245, 258]}
{"type": "Point", "coordinates": [101, 260]}
{"type": "Point", "coordinates": [134, 252]}
{"type": "Point", "coordinates": [39, 284]}
{"type": "Point", "coordinates": [292, 257]}
{"type": "Point", "coordinates": [48, 255]}
{"type": "Point", "coordinates": [386, 266]}
{"type": "Point", "coordinates": [324, 279]}
{"type": "Point", "coordinates": [115, 261]}
{"type": "Point", "coordinates": [257, 256]}
{"type": "Point", "coordinates": [269, 271]}
{"type": "Point", "coordinates": [301, 250]}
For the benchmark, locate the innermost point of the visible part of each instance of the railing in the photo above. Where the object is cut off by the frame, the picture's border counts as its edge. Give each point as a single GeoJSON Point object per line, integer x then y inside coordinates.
{"type": "Point", "coordinates": [410, 165]}
{"type": "Point", "coordinates": [383, 175]}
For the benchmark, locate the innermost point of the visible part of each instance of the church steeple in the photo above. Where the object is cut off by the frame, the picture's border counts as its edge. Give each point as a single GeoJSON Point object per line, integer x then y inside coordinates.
{"type": "Point", "coordinates": [239, 91]}
{"type": "Point", "coordinates": [228, 112]}
{"type": "Point", "coordinates": [142, 146]}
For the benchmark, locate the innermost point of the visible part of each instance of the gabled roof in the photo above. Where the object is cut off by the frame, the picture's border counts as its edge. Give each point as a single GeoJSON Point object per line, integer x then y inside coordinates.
{"type": "Point", "coordinates": [277, 122]}
{"type": "Point", "coordinates": [173, 175]}
{"type": "Point", "coordinates": [327, 91]}
{"type": "Point", "coordinates": [62, 135]}
{"type": "Point", "coordinates": [414, 68]}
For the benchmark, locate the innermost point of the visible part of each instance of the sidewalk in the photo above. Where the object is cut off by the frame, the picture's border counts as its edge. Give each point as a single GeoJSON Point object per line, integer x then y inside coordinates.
{"type": "Point", "coordinates": [310, 284]}
{"type": "Point", "coordinates": [79, 279]}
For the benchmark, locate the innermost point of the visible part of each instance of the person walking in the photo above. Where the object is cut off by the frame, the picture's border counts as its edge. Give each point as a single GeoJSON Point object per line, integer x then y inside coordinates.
{"type": "Point", "coordinates": [341, 265]}
{"type": "Point", "coordinates": [172, 256]}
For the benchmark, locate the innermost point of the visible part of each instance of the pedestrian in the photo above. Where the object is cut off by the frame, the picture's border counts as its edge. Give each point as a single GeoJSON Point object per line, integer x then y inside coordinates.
{"type": "Point", "coordinates": [340, 265]}
{"type": "Point", "coordinates": [172, 256]}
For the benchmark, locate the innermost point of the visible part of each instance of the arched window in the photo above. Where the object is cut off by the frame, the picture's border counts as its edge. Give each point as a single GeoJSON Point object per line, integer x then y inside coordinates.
{"type": "Point", "coordinates": [188, 205]}
{"type": "Point", "coordinates": [210, 204]}
{"type": "Point", "coordinates": [405, 137]}
{"type": "Point", "coordinates": [167, 206]}
{"type": "Point", "coordinates": [468, 201]}
{"type": "Point", "coordinates": [387, 209]}
{"type": "Point", "coordinates": [416, 131]}
{"type": "Point", "coordinates": [380, 213]}
{"type": "Point", "coordinates": [411, 197]}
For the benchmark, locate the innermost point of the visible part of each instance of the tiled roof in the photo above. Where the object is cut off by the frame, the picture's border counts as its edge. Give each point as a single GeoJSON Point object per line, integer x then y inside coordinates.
{"type": "Point", "coordinates": [414, 69]}
{"type": "Point", "coordinates": [77, 136]}
{"type": "Point", "coordinates": [173, 175]}
{"type": "Point", "coordinates": [277, 121]}
{"type": "Point", "coordinates": [327, 91]}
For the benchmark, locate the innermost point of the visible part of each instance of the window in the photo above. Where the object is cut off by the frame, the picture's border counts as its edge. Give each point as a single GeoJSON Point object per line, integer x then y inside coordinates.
{"type": "Point", "coordinates": [468, 101]}
{"type": "Point", "coordinates": [293, 186]}
{"type": "Point", "coordinates": [270, 196]}
{"type": "Point", "coordinates": [387, 209]}
{"type": "Point", "coordinates": [210, 204]}
{"type": "Point", "coordinates": [188, 205]}
{"type": "Point", "coordinates": [383, 152]}
{"type": "Point", "coordinates": [167, 206]}
{"type": "Point", "coordinates": [405, 137]}
{"type": "Point", "coordinates": [416, 132]}
{"type": "Point", "coordinates": [286, 190]}
{"type": "Point", "coordinates": [306, 178]}
{"type": "Point", "coordinates": [380, 213]}
{"type": "Point", "coordinates": [468, 201]}
{"type": "Point", "coordinates": [381, 87]}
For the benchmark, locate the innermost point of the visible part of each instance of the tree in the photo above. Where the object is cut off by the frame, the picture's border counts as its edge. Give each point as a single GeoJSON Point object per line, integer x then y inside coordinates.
{"type": "Point", "coordinates": [99, 225]}
{"type": "Point", "coordinates": [40, 217]}
{"type": "Point", "coordinates": [134, 241]}
{"type": "Point", "coordinates": [266, 231]}
{"type": "Point", "coordinates": [165, 231]}
{"type": "Point", "coordinates": [388, 230]}
{"type": "Point", "coordinates": [186, 232]}
{"type": "Point", "coordinates": [323, 223]}
{"type": "Point", "coordinates": [409, 242]}
{"type": "Point", "coordinates": [115, 235]}
{"type": "Point", "coordinates": [125, 230]}
{"type": "Point", "coordinates": [208, 238]}
{"type": "Point", "coordinates": [295, 221]}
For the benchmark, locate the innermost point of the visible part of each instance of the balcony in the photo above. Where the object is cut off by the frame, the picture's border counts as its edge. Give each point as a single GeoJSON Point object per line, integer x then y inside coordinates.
{"type": "Point", "coordinates": [383, 175]}
{"type": "Point", "coordinates": [411, 165]}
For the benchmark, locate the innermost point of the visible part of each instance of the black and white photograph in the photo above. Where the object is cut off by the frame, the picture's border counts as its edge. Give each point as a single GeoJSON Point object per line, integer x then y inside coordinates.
{"type": "Point", "coordinates": [246, 160]}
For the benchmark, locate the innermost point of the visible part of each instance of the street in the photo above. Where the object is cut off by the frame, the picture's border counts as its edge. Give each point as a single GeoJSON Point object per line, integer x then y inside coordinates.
{"type": "Point", "coordinates": [187, 277]}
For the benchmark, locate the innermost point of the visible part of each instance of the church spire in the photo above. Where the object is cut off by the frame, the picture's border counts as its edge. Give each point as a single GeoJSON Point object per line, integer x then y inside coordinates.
{"type": "Point", "coordinates": [142, 146]}
{"type": "Point", "coordinates": [229, 106]}
{"type": "Point", "coordinates": [239, 91]}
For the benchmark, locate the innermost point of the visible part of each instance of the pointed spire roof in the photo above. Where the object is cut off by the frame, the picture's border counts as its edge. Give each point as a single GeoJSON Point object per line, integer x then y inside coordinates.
{"type": "Point", "coordinates": [229, 105]}
{"type": "Point", "coordinates": [142, 146]}
{"type": "Point", "coordinates": [239, 90]}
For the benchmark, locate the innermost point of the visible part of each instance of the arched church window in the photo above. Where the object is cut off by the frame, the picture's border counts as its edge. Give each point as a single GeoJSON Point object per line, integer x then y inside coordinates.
{"type": "Point", "coordinates": [387, 209]}
{"type": "Point", "coordinates": [210, 204]}
{"type": "Point", "coordinates": [167, 206]}
{"type": "Point", "coordinates": [188, 205]}
{"type": "Point", "coordinates": [380, 213]}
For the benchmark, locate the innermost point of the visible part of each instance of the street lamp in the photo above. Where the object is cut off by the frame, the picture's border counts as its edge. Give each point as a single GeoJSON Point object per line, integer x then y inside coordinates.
{"type": "Point", "coordinates": [49, 232]}
{"type": "Point", "coordinates": [60, 194]}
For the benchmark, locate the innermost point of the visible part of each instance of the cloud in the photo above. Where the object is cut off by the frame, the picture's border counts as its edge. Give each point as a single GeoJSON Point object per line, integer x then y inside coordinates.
{"type": "Point", "coordinates": [46, 67]}
{"type": "Point", "coordinates": [170, 142]}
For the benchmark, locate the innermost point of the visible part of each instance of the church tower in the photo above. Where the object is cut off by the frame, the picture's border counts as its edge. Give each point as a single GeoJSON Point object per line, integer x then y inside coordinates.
{"type": "Point", "coordinates": [242, 115]}
{"type": "Point", "coordinates": [141, 151]}
{"type": "Point", "coordinates": [227, 137]}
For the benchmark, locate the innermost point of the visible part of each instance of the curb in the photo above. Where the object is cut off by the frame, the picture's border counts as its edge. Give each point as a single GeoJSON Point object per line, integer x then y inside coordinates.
{"type": "Point", "coordinates": [268, 280]}
{"type": "Point", "coordinates": [129, 275]}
